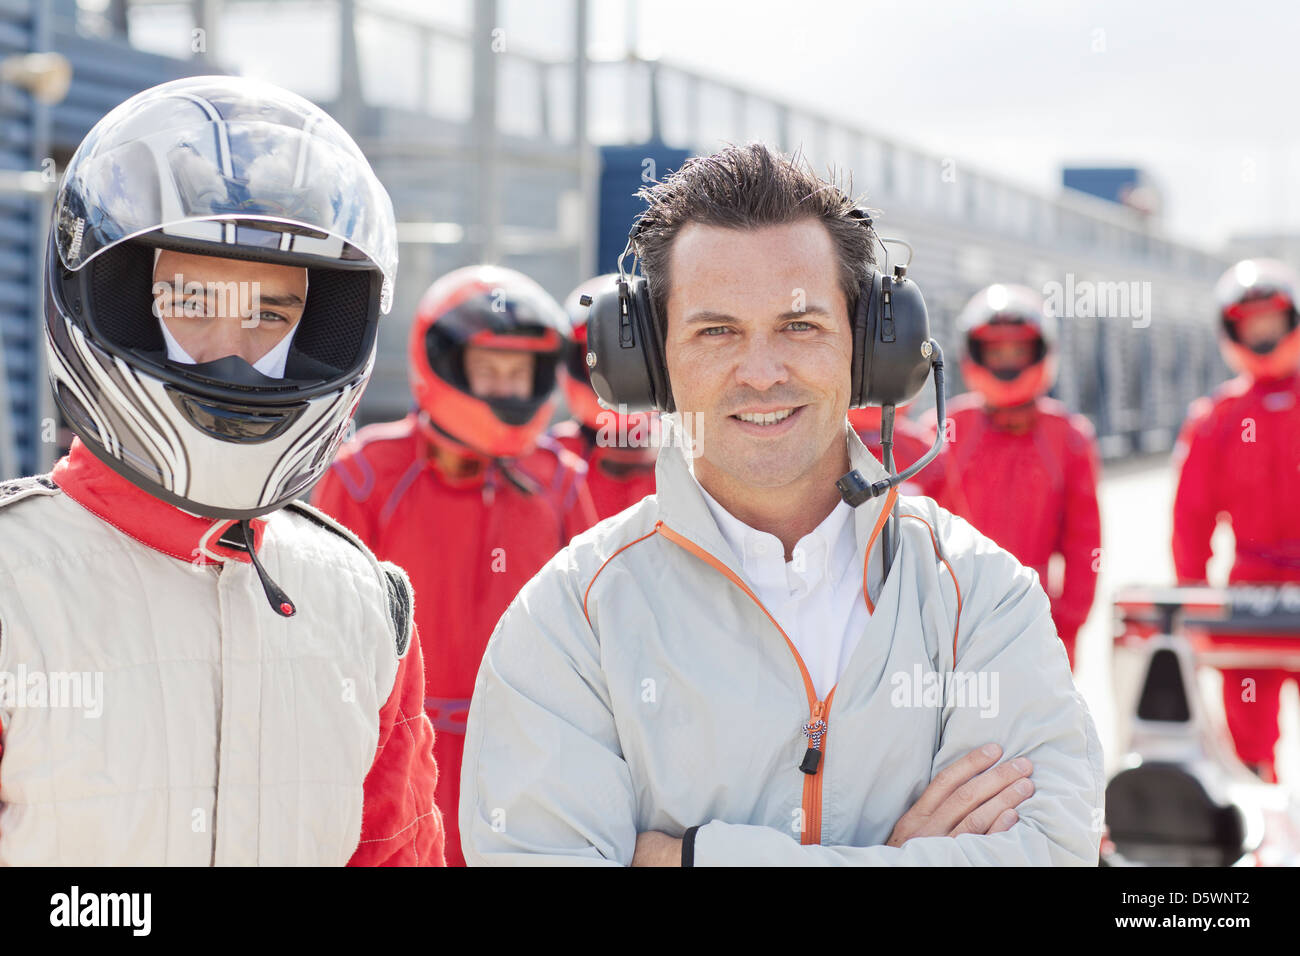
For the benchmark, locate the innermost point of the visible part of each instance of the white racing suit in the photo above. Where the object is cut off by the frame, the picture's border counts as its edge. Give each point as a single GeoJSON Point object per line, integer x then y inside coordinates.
{"type": "Point", "coordinates": [156, 710]}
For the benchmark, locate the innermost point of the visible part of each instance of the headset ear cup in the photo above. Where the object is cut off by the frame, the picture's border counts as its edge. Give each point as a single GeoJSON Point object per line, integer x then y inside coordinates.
{"type": "Point", "coordinates": [898, 355]}
{"type": "Point", "coordinates": [616, 337]}
{"type": "Point", "coordinates": [863, 340]}
{"type": "Point", "coordinates": [652, 334]}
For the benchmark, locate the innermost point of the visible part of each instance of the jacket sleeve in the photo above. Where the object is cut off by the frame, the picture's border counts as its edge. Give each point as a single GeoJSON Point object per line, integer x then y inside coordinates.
{"type": "Point", "coordinates": [543, 778]}
{"type": "Point", "coordinates": [1080, 532]}
{"type": "Point", "coordinates": [340, 495]}
{"type": "Point", "coordinates": [1196, 504]}
{"type": "Point", "coordinates": [400, 825]}
{"type": "Point", "coordinates": [1007, 631]}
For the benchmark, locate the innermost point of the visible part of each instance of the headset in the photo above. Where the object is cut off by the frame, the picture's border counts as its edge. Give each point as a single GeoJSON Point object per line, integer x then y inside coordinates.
{"type": "Point", "coordinates": [893, 355]}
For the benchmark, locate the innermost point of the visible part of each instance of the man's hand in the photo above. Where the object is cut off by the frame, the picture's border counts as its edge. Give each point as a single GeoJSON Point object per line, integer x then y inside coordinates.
{"type": "Point", "coordinates": [966, 797]}
{"type": "Point", "coordinates": [657, 849]}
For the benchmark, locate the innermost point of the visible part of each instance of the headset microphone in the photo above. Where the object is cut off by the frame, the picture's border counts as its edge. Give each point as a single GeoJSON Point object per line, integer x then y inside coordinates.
{"type": "Point", "coordinates": [853, 487]}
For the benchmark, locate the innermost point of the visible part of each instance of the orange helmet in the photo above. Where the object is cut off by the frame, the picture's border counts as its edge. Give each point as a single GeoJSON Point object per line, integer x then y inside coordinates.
{"type": "Point", "coordinates": [576, 380]}
{"type": "Point", "coordinates": [494, 308]}
{"type": "Point", "coordinates": [1008, 313]}
{"type": "Point", "coordinates": [1252, 287]}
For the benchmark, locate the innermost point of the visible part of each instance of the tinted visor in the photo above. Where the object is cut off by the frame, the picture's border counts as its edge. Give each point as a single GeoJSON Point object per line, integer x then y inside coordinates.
{"type": "Point", "coordinates": [997, 333]}
{"type": "Point", "coordinates": [205, 161]}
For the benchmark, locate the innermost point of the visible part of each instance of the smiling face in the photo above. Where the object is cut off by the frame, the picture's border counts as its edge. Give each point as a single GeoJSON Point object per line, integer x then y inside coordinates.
{"type": "Point", "coordinates": [216, 307]}
{"type": "Point", "coordinates": [759, 350]}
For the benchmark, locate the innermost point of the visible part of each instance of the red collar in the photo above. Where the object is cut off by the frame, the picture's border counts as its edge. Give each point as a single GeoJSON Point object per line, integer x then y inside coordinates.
{"type": "Point", "coordinates": [433, 444]}
{"type": "Point", "coordinates": [1017, 419]}
{"type": "Point", "coordinates": [136, 513]}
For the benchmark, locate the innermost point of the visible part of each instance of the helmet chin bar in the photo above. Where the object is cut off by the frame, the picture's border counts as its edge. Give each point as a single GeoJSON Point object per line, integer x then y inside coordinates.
{"type": "Point", "coordinates": [241, 424]}
{"type": "Point", "coordinates": [1008, 374]}
{"type": "Point", "coordinates": [236, 371]}
{"type": "Point", "coordinates": [1264, 348]}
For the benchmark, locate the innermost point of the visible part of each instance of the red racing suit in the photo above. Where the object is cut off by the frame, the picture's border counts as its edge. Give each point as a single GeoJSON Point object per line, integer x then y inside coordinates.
{"type": "Point", "coordinates": [1027, 478]}
{"type": "Point", "coordinates": [616, 477]}
{"type": "Point", "coordinates": [1239, 460]}
{"type": "Point", "coordinates": [468, 545]}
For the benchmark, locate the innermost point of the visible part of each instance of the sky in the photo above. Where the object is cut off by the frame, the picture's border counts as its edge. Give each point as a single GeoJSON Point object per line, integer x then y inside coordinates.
{"type": "Point", "coordinates": [1200, 95]}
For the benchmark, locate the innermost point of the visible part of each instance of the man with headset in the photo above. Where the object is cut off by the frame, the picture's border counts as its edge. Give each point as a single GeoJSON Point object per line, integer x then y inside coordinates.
{"type": "Point", "coordinates": [726, 673]}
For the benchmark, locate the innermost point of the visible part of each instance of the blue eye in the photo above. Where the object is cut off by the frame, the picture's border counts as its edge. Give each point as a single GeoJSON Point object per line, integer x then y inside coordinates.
{"type": "Point", "coordinates": [714, 328]}
{"type": "Point", "coordinates": [806, 326]}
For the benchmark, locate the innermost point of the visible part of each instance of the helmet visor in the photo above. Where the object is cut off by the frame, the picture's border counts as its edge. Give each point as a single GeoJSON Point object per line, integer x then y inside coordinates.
{"type": "Point", "coordinates": [247, 183]}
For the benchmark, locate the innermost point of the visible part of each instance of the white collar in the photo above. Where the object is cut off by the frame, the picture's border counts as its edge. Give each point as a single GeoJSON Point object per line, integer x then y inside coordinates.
{"type": "Point", "coordinates": [824, 551]}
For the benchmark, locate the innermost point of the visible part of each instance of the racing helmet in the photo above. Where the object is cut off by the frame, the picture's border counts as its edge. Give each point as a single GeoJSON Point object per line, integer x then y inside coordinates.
{"type": "Point", "coordinates": [236, 169]}
{"type": "Point", "coordinates": [1004, 313]}
{"type": "Point", "coordinates": [495, 308]}
{"type": "Point", "coordinates": [575, 381]}
{"type": "Point", "coordinates": [1249, 288]}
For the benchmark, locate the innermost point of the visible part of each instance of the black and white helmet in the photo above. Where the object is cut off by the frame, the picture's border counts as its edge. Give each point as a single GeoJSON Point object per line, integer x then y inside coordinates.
{"type": "Point", "coordinates": [239, 169]}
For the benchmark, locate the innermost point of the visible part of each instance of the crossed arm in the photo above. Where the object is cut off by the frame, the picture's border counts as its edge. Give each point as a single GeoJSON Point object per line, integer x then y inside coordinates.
{"type": "Point", "coordinates": [543, 748]}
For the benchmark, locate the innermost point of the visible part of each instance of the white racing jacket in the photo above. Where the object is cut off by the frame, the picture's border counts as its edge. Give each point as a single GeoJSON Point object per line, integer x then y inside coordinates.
{"type": "Point", "coordinates": [636, 684]}
{"type": "Point", "coordinates": [155, 709]}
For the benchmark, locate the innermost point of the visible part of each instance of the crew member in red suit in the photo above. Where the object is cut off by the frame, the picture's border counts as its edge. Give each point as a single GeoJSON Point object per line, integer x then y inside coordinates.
{"type": "Point", "coordinates": [1016, 464]}
{"type": "Point", "coordinates": [459, 493]}
{"type": "Point", "coordinates": [1239, 453]}
{"type": "Point", "coordinates": [619, 449]}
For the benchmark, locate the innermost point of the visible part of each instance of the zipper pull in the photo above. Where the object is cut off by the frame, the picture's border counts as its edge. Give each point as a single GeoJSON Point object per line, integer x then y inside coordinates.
{"type": "Point", "coordinates": [275, 596]}
{"type": "Point", "coordinates": [814, 730]}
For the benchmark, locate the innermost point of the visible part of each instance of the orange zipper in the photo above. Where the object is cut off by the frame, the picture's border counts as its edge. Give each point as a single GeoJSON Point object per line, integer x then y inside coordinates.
{"type": "Point", "coordinates": [818, 725]}
{"type": "Point", "coordinates": [812, 785]}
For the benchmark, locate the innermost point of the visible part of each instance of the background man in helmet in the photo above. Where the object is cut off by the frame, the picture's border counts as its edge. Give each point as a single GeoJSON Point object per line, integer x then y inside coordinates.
{"type": "Point", "coordinates": [458, 493]}
{"type": "Point", "coordinates": [252, 666]}
{"type": "Point", "coordinates": [1017, 464]}
{"type": "Point", "coordinates": [1239, 459]}
{"type": "Point", "coordinates": [619, 449]}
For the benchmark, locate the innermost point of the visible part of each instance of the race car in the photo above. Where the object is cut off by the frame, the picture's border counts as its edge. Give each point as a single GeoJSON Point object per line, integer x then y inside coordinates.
{"type": "Point", "coordinates": [1181, 796]}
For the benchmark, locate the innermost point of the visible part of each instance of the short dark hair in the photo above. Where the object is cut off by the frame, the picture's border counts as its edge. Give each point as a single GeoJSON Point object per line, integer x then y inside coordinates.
{"type": "Point", "coordinates": [744, 187]}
